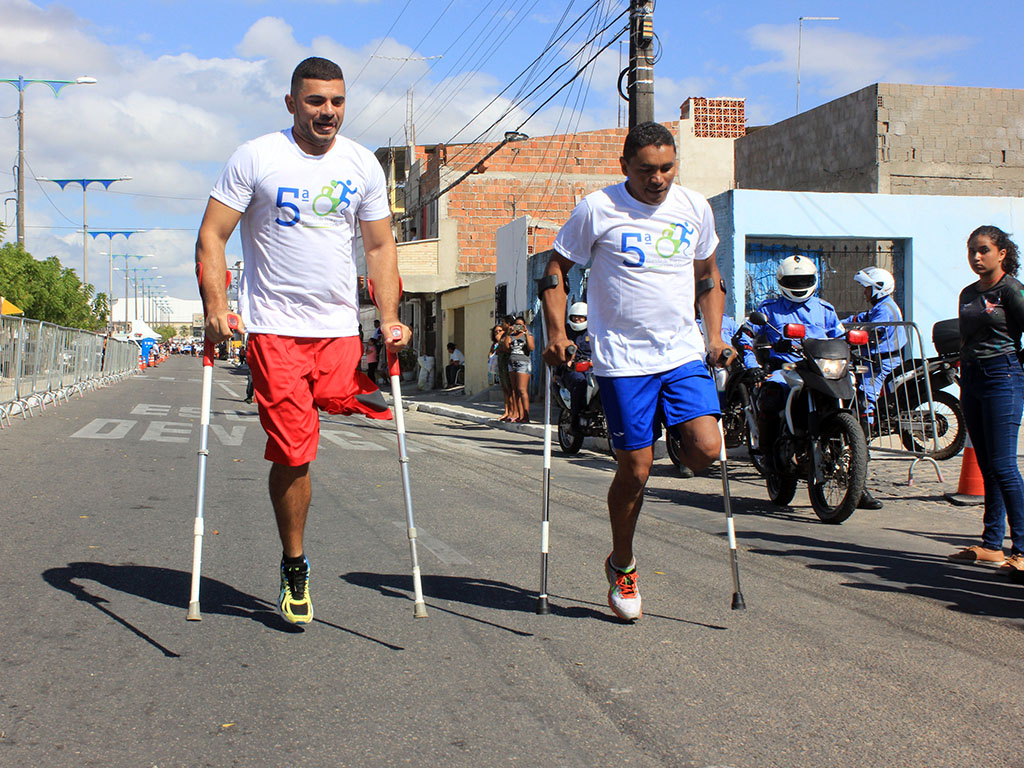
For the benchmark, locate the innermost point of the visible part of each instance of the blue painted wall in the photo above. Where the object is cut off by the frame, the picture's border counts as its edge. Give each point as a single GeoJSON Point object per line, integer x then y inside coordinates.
{"type": "Point", "coordinates": [935, 229]}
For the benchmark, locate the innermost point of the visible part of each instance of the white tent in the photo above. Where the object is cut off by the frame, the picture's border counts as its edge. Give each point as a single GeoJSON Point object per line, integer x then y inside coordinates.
{"type": "Point", "coordinates": [139, 331]}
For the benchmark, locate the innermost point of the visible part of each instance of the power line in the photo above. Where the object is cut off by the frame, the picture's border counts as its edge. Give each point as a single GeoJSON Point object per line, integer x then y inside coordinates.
{"type": "Point", "coordinates": [379, 44]}
{"type": "Point", "coordinates": [430, 67]}
{"type": "Point", "coordinates": [515, 105]}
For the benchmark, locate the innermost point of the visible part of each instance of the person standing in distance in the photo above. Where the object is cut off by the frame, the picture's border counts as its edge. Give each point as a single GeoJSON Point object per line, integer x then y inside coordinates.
{"type": "Point", "coordinates": [648, 242]}
{"type": "Point", "coordinates": [992, 392]}
{"type": "Point", "coordinates": [300, 195]}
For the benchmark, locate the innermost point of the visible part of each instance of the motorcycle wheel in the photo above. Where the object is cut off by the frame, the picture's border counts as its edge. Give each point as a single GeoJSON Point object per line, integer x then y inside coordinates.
{"type": "Point", "coordinates": [734, 419]}
{"type": "Point", "coordinates": [844, 455]}
{"type": "Point", "coordinates": [672, 445]}
{"type": "Point", "coordinates": [568, 440]}
{"type": "Point", "coordinates": [949, 427]}
{"type": "Point", "coordinates": [781, 490]}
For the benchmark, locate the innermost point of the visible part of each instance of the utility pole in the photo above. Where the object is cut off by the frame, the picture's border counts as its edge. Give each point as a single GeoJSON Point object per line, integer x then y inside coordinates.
{"type": "Point", "coordinates": [640, 86]}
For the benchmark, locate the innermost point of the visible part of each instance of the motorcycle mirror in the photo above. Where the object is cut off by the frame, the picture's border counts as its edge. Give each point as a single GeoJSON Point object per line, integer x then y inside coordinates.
{"type": "Point", "coordinates": [857, 336]}
{"type": "Point", "coordinates": [757, 318]}
{"type": "Point", "coordinates": [794, 331]}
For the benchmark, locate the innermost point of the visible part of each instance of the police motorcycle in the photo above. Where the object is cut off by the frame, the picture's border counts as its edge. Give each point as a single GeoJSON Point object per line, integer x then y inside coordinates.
{"type": "Point", "coordinates": [820, 439]}
{"type": "Point", "coordinates": [902, 408]}
{"type": "Point", "coordinates": [592, 421]}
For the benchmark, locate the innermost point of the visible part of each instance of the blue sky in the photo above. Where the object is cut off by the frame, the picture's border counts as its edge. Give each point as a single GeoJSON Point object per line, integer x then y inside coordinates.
{"type": "Point", "coordinates": [182, 83]}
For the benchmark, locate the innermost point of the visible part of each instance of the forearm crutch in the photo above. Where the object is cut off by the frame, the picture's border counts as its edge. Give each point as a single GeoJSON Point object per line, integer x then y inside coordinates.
{"type": "Point", "coordinates": [209, 351]}
{"type": "Point", "coordinates": [545, 505]}
{"type": "Point", "coordinates": [394, 373]}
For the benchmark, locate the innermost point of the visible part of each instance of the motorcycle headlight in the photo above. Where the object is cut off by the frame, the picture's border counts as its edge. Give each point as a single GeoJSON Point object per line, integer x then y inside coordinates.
{"type": "Point", "coordinates": [831, 369]}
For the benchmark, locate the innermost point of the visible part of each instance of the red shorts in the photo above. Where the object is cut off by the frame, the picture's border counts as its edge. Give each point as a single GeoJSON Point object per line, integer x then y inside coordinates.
{"type": "Point", "coordinates": [293, 377]}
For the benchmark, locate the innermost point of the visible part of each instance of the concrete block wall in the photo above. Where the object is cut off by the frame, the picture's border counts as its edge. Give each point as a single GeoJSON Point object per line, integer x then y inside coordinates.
{"type": "Point", "coordinates": [894, 139]}
{"type": "Point", "coordinates": [943, 140]}
{"type": "Point", "coordinates": [831, 148]}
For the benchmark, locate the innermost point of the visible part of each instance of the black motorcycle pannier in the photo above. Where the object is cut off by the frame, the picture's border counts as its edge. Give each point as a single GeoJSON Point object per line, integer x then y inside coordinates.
{"type": "Point", "coordinates": [946, 337]}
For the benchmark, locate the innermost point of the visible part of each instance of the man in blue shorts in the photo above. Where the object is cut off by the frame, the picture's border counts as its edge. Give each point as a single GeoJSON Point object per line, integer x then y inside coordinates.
{"type": "Point", "coordinates": [648, 242]}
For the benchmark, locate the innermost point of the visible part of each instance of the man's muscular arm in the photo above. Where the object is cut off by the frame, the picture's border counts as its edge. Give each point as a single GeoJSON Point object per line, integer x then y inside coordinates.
{"type": "Point", "coordinates": [219, 222]}
{"type": "Point", "coordinates": [382, 271]}
{"type": "Point", "coordinates": [553, 303]}
{"type": "Point", "coordinates": [712, 305]}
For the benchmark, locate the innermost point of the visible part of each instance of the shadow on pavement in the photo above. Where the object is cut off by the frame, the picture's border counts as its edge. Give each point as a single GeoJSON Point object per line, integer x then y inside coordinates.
{"type": "Point", "coordinates": [969, 589]}
{"type": "Point", "coordinates": [161, 585]}
{"type": "Point", "coordinates": [485, 593]}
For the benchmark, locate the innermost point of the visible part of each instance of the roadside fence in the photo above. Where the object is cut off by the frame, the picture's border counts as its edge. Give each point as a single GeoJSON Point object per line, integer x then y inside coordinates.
{"type": "Point", "coordinates": [43, 364]}
{"type": "Point", "coordinates": [902, 401]}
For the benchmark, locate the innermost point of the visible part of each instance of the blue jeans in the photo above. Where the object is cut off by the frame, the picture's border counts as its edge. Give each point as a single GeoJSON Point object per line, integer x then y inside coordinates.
{"type": "Point", "coordinates": [992, 395]}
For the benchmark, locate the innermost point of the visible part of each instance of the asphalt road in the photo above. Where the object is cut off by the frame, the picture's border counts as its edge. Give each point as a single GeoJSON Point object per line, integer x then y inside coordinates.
{"type": "Point", "coordinates": [860, 644]}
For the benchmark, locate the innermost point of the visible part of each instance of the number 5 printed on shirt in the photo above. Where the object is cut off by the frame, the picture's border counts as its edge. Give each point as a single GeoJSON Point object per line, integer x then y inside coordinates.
{"type": "Point", "coordinates": [627, 248]}
{"type": "Point", "coordinates": [281, 192]}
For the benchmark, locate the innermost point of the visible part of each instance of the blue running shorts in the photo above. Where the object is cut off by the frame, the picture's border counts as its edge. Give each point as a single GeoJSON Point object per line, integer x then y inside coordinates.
{"type": "Point", "coordinates": [636, 406]}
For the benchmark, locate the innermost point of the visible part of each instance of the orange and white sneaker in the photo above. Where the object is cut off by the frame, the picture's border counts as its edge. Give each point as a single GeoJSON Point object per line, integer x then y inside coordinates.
{"type": "Point", "coordinates": [623, 594]}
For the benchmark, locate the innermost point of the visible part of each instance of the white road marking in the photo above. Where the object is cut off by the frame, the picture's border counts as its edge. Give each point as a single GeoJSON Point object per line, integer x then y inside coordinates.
{"type": "Point", "coordinates": [342, 439]}
{"type": "Point", "coordinates": [106, 429]}
{"type": "Point", "coordinates": [167, 432]}
{"type": "Point", "coordinates": [228, 389]}
{"type": "Point", "coordinates": [440, 549]}
{"type": "Point", "coordinates": [232, 438]}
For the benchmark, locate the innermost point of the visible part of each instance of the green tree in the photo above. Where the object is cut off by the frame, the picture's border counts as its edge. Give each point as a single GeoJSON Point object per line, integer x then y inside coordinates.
{"type": "Point", "coordinates": [46, 290]}
{"type": "Point", "coordinates": [101, 308]}
{"type": "Point", "coordinates": [166, 332]}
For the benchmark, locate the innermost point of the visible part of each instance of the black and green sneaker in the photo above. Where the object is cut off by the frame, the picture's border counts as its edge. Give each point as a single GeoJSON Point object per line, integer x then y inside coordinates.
{"type": "Point", "coordinates": [294, 602]}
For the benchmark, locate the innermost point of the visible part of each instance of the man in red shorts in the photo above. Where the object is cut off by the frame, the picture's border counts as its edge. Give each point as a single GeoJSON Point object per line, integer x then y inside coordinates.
{"type": "Point", "coordinates": [299, 195]}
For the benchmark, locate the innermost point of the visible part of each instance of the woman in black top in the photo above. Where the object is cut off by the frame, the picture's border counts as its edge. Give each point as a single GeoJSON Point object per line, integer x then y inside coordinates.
{"type": "Point", "coordinates": [992, 390]}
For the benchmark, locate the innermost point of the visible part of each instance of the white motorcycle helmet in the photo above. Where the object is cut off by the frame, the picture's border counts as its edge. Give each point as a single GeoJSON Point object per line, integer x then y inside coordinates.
{"type": "Point", "coordinates": [879, 280]}
{"type": "Point", "coordinates": [797, 277]}
{"type": "Point", "coordinates": [578, 309]}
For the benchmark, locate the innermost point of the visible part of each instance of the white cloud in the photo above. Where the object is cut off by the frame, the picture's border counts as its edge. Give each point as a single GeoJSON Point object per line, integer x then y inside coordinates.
{"type": "Point", "coordinates": [834, 62]}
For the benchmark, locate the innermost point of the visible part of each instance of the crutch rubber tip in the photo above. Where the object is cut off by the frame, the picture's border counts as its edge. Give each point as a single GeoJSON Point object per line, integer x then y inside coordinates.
{"type": "Point", "coordinates": [543, 609]}
{"type": "Point", "coordinates": [193, 612]}
{"type": "Point", "coordinates": [737, 601]}
{"type": "Point", "coordinates": [419, 610]}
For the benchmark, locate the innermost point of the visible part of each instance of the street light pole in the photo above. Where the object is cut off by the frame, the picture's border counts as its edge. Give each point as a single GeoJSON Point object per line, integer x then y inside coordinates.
{"type": "Point", "coordinates": [21, 84]}
{"type": "Point", "coordinates": [63, 183]}
{"type": "Point", "coordinates": [110, 267]}
{"type": "Point", "coordinates": [799, 44]}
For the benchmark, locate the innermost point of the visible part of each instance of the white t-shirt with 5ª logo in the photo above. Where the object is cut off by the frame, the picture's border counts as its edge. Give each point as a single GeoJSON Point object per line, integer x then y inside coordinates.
{"type": "Point", "coordinates": [300, 215]}
{"type": "Point", "coordinates": [640, 292]}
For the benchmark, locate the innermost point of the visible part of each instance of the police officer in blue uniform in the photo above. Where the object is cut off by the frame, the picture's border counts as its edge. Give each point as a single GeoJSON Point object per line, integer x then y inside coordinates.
{"type": "Point", "coordinates": [797, 278]}
{"type": "Point", "coordinates": [885, 348]}
{"type": "Point", "coordinates": [572, 379]}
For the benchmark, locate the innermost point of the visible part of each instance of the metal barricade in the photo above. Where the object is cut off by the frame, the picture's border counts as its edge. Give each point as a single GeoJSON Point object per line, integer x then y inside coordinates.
{"type": "Point", "coordinates": [43, 364]}
{"type": "Point", "coordinates": [900, 400]}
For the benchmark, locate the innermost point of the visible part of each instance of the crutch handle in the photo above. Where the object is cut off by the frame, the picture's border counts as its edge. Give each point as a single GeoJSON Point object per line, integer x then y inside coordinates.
{"type": "Point", "coordinates": [210, 348]}
{"type": "Point", "coordinates": [394, 368]}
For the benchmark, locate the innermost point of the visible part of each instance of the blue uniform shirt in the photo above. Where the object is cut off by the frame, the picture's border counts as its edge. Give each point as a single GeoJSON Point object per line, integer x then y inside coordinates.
{"type": "Point", "coordinates": [886, 343]}
{"type": "Point", "coordinates": [817, 316]}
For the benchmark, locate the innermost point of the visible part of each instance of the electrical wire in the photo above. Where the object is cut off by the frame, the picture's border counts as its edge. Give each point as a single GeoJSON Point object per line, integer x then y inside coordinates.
{"type": "Point", "coordinates": [467, 146]}
{"type": "Point", "coordinates": [430, 67]}
{"type": "Point", "coordinates": [45, 194]}
{"type": "Point", "coordinates": [528, 71]}
{"type": "Point", "coordinates": [399, 69]}
{"type": "Point", "coordinates": [379, 44]}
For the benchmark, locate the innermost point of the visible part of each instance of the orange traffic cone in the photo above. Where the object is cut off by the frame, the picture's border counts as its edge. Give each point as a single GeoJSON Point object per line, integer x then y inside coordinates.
{"type": "Point", "coordinates": [971, 488]}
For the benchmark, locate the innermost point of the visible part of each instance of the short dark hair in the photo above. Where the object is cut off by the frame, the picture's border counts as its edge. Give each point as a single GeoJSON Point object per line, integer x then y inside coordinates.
{"type": "Point", "coordinates": [451, 345]}
{"type": "Point", "coordinates": [315, 68]}
{"type": "Point", "coordinates": [645, 135]}
{"type": "Point", "coordinates": [1002, 241]}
